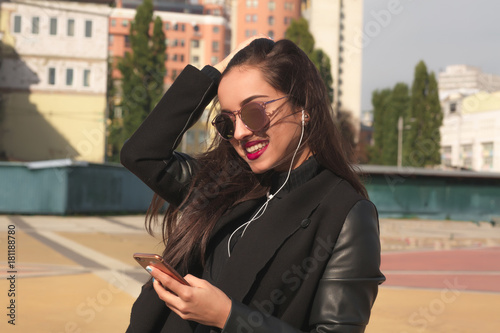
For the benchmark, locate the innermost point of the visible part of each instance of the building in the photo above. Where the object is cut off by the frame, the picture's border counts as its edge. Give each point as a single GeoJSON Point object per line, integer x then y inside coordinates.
{"type": "Point", "coordinates": [269, 17]}
{"type": "Point", "coordinates": [463, 77]}
{"type": "Point", "coordinates": [53, 79]}
{"type": "Point", "coordinates": [337, 26]}
{"type": "Point", "coordinates": [192, 35]}
{"type": "Point", "coordinates": [470, 135]}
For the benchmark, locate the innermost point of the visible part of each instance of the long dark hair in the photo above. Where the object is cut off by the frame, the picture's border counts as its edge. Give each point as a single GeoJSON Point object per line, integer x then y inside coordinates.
{"type": "Point", "coordinates": [224, 179]}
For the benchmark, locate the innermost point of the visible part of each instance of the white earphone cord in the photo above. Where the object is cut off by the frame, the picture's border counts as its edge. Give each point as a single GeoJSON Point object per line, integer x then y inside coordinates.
{"type": "Point", "coordinates": [260, 211]}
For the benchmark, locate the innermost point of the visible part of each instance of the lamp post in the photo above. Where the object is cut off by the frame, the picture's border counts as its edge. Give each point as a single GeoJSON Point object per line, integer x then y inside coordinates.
{"type": "Point", "coordinates": [400, 141]}
{"type": "Point", "coordinates": [401, 127]}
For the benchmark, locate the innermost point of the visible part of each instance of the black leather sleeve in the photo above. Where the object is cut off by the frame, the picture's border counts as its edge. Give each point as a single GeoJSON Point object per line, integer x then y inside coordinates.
{"type": "Point", "coordinates": [150, 151]}
{"type": "Point", "coordinates": [348, 287]}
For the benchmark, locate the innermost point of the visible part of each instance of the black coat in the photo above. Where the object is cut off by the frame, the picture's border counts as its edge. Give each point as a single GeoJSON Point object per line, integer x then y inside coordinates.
{"type": "Point", "coordinates": [310, 263]}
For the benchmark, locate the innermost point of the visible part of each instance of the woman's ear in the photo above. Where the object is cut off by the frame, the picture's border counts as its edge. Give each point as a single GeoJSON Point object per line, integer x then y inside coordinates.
{"type": "Point", "coordinates": [305, 117]}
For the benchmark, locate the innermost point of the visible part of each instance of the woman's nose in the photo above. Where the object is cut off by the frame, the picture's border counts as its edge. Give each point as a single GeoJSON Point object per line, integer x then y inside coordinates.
{"type": "Point", "coordinates": [240, 130]}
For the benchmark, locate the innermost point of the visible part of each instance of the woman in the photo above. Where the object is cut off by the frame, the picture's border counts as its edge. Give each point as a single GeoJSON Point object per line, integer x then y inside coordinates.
{"type": "Point", "coordinates": [271, 225]}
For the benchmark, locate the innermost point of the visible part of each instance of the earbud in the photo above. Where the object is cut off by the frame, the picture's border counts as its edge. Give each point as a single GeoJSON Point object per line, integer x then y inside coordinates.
{"type": "Point", "coordinates": [303, 117]}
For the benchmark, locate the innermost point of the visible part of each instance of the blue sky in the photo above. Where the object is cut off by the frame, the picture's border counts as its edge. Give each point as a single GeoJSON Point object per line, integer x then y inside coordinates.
{"type": "Point", "coordinates": [440, 32]}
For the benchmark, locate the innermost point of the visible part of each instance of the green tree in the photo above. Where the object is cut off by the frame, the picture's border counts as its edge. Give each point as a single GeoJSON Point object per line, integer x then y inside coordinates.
{"type": "Point", "coordinates": [298, 32]}
{"type": "Point", "coordinates": [142, 71]}
{"type": "Point", "coordinates": [422, 139]}
{"type": "Point", "coordinates": [322, 62]}
{"type": "Point", "coordinates": [380, 102]}
{"type": "Point", "coordinates": [397, 106]}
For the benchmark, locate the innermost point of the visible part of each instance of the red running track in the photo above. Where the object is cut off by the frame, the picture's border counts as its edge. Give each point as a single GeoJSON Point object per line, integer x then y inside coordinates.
{"type": "Point", "coordinates": [465, 269]}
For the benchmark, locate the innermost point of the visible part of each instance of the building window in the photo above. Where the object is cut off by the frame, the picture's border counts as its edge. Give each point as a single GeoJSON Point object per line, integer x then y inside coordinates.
{"type": "Point", "coordinates": [215, 46]}
{"type": "Point", "coordinates": [286, 20]}
{"type": "Point", "coordinates": [196, 59]}
{"type": "Point", "coordinates": [111, 39]}
{"type": "Point", "coordinates": [216, 29]}
{"type": "Point", "coordinates": [183, 27]}
{"type": "Point", "coordinates": [446, 157]}
{"type": "Point", "coordinates": [124, 23]}
{"type": "Point", "coordinates": [176, 27]}
{"type": "Point", "coordinates": [195, 43]}
{"type": "Point", "coordinates": [190, 137]}
{"type": "Point", "coordinates": [17, 23]}
{"type": "Point", "coordinates": [247, 33]}
{"type": "Point", "coordinates": [113, 22]}
{"type": "Point", "coordinates": [487, 156]}
{"type": "Point", "coordinates": [271, 5]}
{"type": "Point", "coordinates": [248, 17]}
{"type": "Point", "coordinates": [167, 26]}
{"type": "Point", "coordinates": [466, 156]}
{"type": "Point", "coordinates": [214, 60]}
{"type": "Point", "coordinates": [175, 42]}
{"type": "Point", "coordinates": [69, 76]}
{"type": "Point", "coordinates": [53, 26]}
{"type": "Point", "coordinates": [71, 27]}
{"type": "Point", "coordinates": [174, 57]}
{"type": "Point", "coordinates": [86, 78]}
{"type": "Point", "coordinates": [453, 107]}
{"type": "Point", "coordinates": [117, 112]}
{"type": "Point", "coordinates": [270, 34]}
{"type": "Point", "coordinates": [127, 41]}
{"type": "Point", "coordinates": [183, 42]}
{"type": "Point", "coordinates": [288, 5]}
{"type": "Point", "coordinates": [52, 76]}
{"type": "Point", "coordinates": [270, 20]}
{"type": "Point", "coordinates": [35, 25]}
{"type": "Point", "coordinates": [196, 28]}
{"type": "Point", "coordinates": [88, 28]}
{"type": "Point", "coordinates": [254, 17]}
{"type": "Point", "coordinates": [202, 137]}
{"type": "Point", "coordinates": [252, 3]}
{"type": "Point", "coordinates": [182, 57]}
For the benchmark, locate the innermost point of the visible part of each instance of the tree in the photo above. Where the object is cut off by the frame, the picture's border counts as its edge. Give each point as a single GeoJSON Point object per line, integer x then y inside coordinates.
{"type": "Point", "coordinates": [298, 32]}
{"type": "Point", "coordinates": [322, 62]}
{"type": "Point", "coordinates": [422, 140]}
{"type": "Point", "coordinates": [142, 71]}
{"type": "Point", "coordinates": [380, 102]}
{"type": "Point", "coordinates": [397, 106]}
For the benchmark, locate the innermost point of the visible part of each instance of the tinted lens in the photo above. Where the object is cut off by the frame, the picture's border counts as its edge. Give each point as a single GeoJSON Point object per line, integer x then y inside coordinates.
{"type": "Point", "coordinates": [254, 116]}
{"type": "Point", "coordinates": [225, 126]}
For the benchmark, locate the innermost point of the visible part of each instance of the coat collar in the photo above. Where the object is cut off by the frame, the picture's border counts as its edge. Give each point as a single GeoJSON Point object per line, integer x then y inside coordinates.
{"type": "Point", "coordinates": [265, 235]}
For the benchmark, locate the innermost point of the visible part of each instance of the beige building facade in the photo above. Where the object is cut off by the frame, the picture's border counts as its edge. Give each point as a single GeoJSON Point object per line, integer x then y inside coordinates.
{"type": "Point", "coordinates": [337, 27]}
{"type": "Point", "coordinates": [470, 134]}
{"type": "Point", "coordinates": [53, 79]}
{"type": "Point", "coordinates": [460, 77]}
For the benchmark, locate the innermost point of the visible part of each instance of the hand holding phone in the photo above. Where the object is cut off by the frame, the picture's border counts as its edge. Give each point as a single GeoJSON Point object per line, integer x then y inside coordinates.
{"type": "Point", "coordinates": [155, 260]}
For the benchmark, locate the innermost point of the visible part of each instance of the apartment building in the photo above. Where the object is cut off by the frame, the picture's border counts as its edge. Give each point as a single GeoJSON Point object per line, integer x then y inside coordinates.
{"type": "Point", "coordinates": [195, 34]}
{"type": "Point", "coordinates": [268, 17]}
{"type": "Point", "coordinates": [53, 79]}
{"type": "Point", "coordinates": [337, 26]}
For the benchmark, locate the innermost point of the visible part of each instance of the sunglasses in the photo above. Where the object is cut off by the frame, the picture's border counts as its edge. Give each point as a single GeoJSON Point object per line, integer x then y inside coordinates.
{"type": "Point", "coordinates": [253, 115]}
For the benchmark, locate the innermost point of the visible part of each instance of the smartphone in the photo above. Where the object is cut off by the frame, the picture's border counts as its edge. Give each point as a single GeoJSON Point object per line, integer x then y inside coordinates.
{"type": "Point", "coordinates": [155, 260]}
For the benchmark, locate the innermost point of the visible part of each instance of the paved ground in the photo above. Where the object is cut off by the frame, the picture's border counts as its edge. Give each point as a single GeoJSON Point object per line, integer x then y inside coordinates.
{"type": "Point", "coordinates": [76, 274]}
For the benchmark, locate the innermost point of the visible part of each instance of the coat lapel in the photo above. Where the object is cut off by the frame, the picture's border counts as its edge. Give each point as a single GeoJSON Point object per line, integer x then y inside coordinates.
{"type": "Point", "coordinates": [264, 236]}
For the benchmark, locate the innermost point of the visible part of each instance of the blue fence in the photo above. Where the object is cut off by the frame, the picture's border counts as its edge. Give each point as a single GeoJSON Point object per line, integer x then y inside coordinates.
{"type": "Point", "coordinates": [433, 194]}
{"type": "Point", "coordinates": [67, 187]}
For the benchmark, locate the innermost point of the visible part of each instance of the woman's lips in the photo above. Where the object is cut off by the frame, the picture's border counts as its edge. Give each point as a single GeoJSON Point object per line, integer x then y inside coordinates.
{"type": "Point", "coordinates": [254, 149]}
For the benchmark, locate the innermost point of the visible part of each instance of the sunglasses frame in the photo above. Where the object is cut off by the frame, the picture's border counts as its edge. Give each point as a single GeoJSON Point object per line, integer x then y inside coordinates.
{"type": "Point", "coordinates": [236, 113]}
